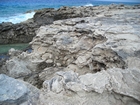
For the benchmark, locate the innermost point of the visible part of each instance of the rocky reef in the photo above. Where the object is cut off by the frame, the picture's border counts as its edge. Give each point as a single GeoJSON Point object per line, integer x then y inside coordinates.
{"type": "Point", "coordinates": [85, 60]}
{"type": "Point", "coordinates": [24, 32]}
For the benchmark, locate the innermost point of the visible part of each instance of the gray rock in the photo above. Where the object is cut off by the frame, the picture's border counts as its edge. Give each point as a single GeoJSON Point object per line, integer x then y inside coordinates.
{"type": "Point", "coordinates": [17, 92]}
{"type": "Point", "coordinates": [17, 33]}
{"type": "Point", "coordinates": [17, 68]}
{"type": "Point", "coordinates": [12, 92]}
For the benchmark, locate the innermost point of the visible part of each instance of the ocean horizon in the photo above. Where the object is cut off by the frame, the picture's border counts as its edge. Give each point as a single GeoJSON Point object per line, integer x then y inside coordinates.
{"type": "Point", "coordinates": [15, 11]}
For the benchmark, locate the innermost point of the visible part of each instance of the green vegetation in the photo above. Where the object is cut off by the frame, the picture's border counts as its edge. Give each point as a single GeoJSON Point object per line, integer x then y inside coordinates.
{"type": "Point", "coordinates": [7, 47]}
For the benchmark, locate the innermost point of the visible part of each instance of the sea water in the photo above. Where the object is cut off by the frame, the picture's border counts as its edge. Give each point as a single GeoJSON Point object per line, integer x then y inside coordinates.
{"type": "Point", "coordinates": [15, 11]}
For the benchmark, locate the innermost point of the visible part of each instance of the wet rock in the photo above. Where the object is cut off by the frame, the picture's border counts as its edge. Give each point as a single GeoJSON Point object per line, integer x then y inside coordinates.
{"type": "Point", "coordinates": [17, 33]}
{"type": "Point", "coordinates": [14, 52]}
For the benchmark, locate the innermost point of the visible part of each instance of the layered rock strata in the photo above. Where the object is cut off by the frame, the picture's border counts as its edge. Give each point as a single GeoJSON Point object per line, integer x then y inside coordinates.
{"type": "Point", "coordinates": [24, 32]}
{"type": "Point", "coordinates": [17, 33]}
{"type": "Point", "coordinates": [111, 87]}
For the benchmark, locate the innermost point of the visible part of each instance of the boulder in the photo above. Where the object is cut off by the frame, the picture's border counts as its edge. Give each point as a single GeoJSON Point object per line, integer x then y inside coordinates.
{"type": "Point", "coordinates": [17, 68]}
{"type": "Point", "coordinates": [15, 92]}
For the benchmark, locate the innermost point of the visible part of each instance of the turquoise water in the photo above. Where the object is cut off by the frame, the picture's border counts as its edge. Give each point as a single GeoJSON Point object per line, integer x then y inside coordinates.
{"type": "Point", "coordinates": [6, 48]}
{"type": "Point", "coordinates": [14, 10]}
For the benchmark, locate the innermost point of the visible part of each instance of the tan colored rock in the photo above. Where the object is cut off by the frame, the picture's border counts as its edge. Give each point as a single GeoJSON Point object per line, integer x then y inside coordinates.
{"type": "Point", "coordinates": [81, 60]}
{"type": "Point", "coordinates": [103, 87]}
{"type": "Point", "coordinates": [49, 61]}
{"type": "Point", "coordinates": [47, 56]}
{"type": "Point", "coordinates": [77, 69]}
{"type": "Point", "coordinates": [41, 50]}
{"type": "Point", "coordinates": [85, 61]}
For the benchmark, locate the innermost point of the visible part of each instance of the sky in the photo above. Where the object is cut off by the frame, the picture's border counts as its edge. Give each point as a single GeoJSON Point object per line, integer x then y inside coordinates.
{"type": "Point", "coordinates": [122, 0]}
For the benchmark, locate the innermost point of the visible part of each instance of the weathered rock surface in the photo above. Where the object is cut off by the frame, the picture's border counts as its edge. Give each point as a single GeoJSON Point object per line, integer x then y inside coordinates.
{"type": "Point", "coordinates": [47, 16]}
{"type": "Point", "coordinates": [84, 61]}
{"type": "Point", "coordinates": [14, 92]}
{"type": "Point", "coordinates": [17, 33]}
{"type": "Point", "coordinates": [111, 87]}
{"type": "Point", "coordinates": [65, 44]}
{"type": "Point", "coordinates": [25, 31]}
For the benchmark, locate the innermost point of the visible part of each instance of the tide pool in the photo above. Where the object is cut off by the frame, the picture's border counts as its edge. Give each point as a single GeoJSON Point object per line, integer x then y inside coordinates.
{"type": "Point", "coordinates": [7, 47]}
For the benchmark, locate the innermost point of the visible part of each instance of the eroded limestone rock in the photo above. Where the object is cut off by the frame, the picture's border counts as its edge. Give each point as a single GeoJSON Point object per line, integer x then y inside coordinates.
{"type": "Point", "coordinates": [101, 88]}
{"type": "Point", "coordinates": [76, 45]}
{"type": "Point", "coordinates": [85, 61]}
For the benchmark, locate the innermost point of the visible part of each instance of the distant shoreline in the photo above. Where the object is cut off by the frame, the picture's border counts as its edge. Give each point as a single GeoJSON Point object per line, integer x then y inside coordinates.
{"type": "Point", "coordinates": [17, 13]}
{"type": "Point", "coordinates": [25, 31]}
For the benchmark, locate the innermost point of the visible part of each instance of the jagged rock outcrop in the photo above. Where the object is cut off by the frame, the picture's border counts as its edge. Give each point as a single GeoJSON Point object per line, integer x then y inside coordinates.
{"type": "Point", "coordinates": [47, 16]}
{"type": "Point", "coordinates": [74, 44]}
{"type": "Point", "coordinates": [24, 32]}
{"type": "Point", "coordinates": [17, 33]}
{"type": "Point", "coordinates": [84, 61]}
{"type": "Point", "coordinates": [111, 87]}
